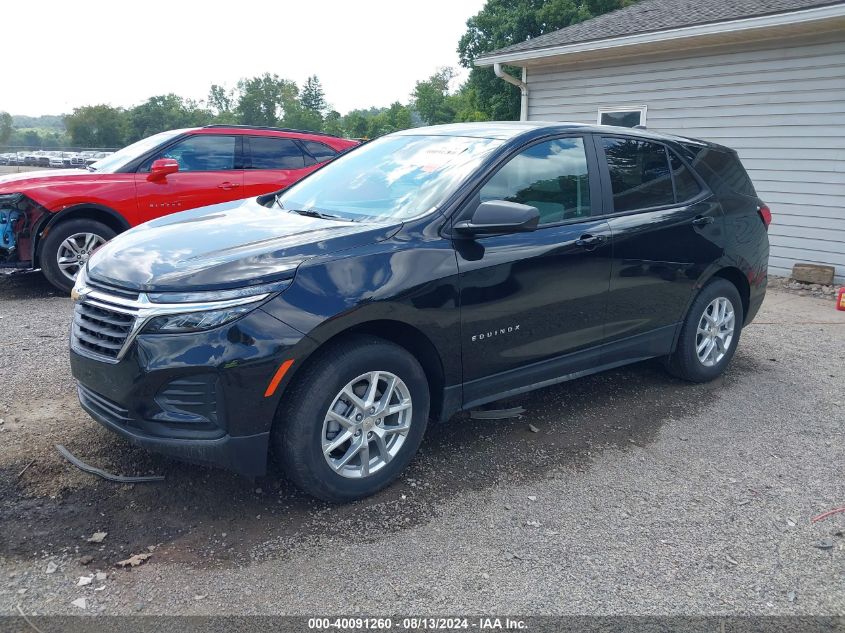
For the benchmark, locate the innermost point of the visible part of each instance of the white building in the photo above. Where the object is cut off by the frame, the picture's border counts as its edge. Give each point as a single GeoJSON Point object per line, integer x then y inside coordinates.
{"type": "Point", "coordinates": [765, 77]}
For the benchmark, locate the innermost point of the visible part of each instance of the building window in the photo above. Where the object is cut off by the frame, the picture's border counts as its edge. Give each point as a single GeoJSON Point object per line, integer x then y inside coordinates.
{"type": "Point", "coordinates": [622, 116]}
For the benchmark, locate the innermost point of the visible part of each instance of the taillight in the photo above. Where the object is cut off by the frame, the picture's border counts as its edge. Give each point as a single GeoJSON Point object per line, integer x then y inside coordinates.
{"type": "Point", "coordinates": [765, 214]}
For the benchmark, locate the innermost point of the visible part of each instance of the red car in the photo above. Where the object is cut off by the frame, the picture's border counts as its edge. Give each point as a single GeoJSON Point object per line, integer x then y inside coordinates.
{"type": "Point", "coordinates": [53, 219]}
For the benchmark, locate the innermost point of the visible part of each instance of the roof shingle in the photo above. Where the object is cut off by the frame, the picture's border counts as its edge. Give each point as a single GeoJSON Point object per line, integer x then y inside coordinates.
{"type": "Point", "coordinates": [659, 15]}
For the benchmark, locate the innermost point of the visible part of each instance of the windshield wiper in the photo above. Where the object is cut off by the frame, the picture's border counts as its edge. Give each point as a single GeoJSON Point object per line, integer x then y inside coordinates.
{"type": "Point", "coordinates": [311, 213]}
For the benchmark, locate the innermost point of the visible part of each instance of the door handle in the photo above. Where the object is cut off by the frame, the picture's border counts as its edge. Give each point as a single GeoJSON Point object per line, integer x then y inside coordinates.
{"type": "Point", "coordinates": [703, 220]}
{"type": "Point", "coordinates": [228, 185]}
{"type": "Point", "coordinates": [589, 242]}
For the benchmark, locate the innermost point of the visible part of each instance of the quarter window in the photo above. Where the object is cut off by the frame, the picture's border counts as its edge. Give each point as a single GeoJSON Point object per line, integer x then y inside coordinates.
{"type": "Point", "coordinates": [320, 151]}
{"type": "Point", "coordinates": [639, 174]}
{"type": "Point", "coordinates": [275, 153]}
{"type": "Point", "coordinates": [203, 152]}
{"type": "Point", "coordinates": [550, 176]}
{"type": "Point", "coordinates": [686, 186]}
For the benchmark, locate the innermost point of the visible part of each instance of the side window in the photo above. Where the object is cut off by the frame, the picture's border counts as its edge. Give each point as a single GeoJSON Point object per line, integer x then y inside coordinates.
{"type": "Point", "coordinates": [551, 176]}
{"type": "Point", "coordinates": [639, 174]}
{"type": "Point", "coordinates": [275, 153]}
{"type": "Point", "coordinates": [203, 152]}
{"type": "Point", "coordinates": [320, 151]}
{"type": "Point", "coordinates": [686, 186]}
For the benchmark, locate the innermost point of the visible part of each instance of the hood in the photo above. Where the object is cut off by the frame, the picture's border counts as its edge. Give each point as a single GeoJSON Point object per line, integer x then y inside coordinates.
{"type": "Point", "coordinates": [223, 246]}
{"type": "Point", "coordinates": [13, 183]}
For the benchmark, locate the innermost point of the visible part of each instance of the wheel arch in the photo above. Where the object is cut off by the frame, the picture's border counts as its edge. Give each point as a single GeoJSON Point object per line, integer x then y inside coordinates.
{"type": "Point", "coordinates": [740, 281]}
{"type": "Point", "coordinates": [84, 211]}
{"type": "Point", "coordinates": [406, 336]}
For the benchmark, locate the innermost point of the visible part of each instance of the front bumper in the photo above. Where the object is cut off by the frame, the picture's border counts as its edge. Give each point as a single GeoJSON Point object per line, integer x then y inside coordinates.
{"type": "Point", "coordinates": [199, 396]}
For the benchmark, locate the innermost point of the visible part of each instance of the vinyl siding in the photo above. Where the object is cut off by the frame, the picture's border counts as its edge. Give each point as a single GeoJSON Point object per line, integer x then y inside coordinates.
{"type": "Point", "coordinates": [782, 109]}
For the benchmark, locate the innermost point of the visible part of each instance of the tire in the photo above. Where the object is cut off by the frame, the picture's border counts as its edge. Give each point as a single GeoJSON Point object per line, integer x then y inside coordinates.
{"type": "Point", "coordinates": [304, 426]}
{"type": "Point", "coordinates": [685, 362]}
{"type": "Point", "coordinates": [57, 237]}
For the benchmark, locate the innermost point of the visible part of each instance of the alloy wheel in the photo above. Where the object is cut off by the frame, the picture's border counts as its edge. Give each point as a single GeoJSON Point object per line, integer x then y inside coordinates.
{"type": "Point", "coordinates": [715, 331]}
{"type": "Point", "coordinates": [75, 251]}
{"type": "Point", "coordinates": [366, 424]}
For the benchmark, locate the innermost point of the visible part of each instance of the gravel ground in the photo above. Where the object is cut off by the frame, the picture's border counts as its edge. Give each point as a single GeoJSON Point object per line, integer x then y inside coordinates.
{"type": "Point", "coordinates": [638, 494]}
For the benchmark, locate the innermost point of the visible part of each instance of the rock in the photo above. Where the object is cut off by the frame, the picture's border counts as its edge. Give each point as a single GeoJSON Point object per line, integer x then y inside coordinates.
{"type": "Point", "coordinates": [134, 560]}
{"type": "Point", "coordinates": [485, 576]}
{"type": "Point", "coordinates": [84, 581]}
{"type": "Point", "coordinates": [533, 428]}
{"type": "Point", "coordinates": [532, 498]}
{"type": "Point", "coordinates": [51, 568]}
{"type": "Point", "coordinates": [82, 603]}
{"type": "Point", "coordinates": [535, 524]}
{"type": "Point", "coordinates": [86, 560]}
{"type": "Point", "coordinates": [101, 576]}
{"type": "Point", "coordinates": [201, 596]}
{"type": "Point", "coordinates": [813, 273]}
{"type": "Point", "coordinates": [98, 537]}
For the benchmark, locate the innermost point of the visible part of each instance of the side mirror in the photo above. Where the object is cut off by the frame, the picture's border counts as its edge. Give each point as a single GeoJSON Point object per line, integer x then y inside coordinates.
{"type": "Point", "coordinates": [162, 167]}
{"type": "Point", "coordinates": [499, 216]}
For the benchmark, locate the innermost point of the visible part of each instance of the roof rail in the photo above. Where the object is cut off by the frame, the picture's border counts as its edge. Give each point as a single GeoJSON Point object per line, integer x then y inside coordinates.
{"type": "Point", "coordinates": [268, 127]}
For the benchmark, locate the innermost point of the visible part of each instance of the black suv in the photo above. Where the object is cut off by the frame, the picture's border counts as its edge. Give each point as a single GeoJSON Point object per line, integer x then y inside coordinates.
{"type": "Point", "coordinates": [429, 271]}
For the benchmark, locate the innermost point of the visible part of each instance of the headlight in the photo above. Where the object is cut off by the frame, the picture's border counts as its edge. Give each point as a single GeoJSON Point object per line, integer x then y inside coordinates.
{"type": "Point", "coordinates": [174, 312]}
{"type": "Point", "coordinates": [195, 321]}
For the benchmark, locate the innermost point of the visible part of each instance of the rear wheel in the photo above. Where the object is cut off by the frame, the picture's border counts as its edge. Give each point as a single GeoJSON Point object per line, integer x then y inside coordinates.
{"type": "Point", "coordinates": [68, 246]}
{"type": "Point", "coordinates": [710, 333]}
{"type": "Point", "coordinates": [353, 420]}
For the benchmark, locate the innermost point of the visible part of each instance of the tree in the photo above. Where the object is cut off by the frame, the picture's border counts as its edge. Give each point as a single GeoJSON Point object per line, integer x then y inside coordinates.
{"type": "Point", "coordinates": [431, 97]}
{"type": "Point", "coordinates": [504, 22]}
{"type": "Point", "coordinates": [165, 112]}
{"type": "Point", "coordinates": [221, 103]}
{"type": "Point", "coordinates": [312, 96]}
{"type": "Point", "coordinates": [264, 100]}
{"type": "Point", "coordinates": [97, 126]}
{"type": "Point", "coordinates": [5, 127]}
{"type": "Point", "coordinates": [396, 117]}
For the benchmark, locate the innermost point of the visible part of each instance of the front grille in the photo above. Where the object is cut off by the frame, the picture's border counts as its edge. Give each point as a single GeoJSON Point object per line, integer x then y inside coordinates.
{"type": "Point", "coordinates": [101, 329]}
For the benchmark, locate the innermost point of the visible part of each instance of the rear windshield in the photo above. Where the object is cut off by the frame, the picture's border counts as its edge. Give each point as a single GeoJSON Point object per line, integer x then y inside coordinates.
{"type": "Point", "coordinates": [724, 165]}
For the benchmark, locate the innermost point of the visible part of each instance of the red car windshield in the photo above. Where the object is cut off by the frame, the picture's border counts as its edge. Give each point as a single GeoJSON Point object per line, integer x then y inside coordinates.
{"type": "Point", "coordinates": [120, 158]}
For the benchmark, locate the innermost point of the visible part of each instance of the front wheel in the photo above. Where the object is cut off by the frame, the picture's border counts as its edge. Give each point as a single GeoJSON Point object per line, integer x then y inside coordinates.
{"type": "Point", "coordinates": [353, 420]}
{"type": "Point", "coordinates": [68, 246]}
{"type": "Point", "coordinates": [710, 333]}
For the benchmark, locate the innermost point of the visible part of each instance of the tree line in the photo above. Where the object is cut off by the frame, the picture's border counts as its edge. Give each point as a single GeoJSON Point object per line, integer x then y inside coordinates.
{"type": "Point", "coordinates": [272, 100]}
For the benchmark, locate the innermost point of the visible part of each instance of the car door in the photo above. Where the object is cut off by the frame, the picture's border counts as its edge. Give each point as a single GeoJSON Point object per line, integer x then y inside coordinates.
{"type": "Point", "coordinates": [529, 301]}
{"type": "Point", "coordinates": [667, 230]}
{"type": "Point", "coordinates": [210, 172]}
{"type": "Point", "coordinates": [274, 163]}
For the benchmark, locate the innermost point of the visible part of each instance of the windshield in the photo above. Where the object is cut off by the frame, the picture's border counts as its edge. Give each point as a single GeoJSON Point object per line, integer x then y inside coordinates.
{"type": "Point", "coordinates": [392, 178]}
{"type": "Point", "coordinates": [112, 163]}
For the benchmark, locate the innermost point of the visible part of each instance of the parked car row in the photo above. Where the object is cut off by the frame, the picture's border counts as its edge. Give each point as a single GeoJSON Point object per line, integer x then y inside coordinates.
{"type": "Point", "coordinates": [53, 158]}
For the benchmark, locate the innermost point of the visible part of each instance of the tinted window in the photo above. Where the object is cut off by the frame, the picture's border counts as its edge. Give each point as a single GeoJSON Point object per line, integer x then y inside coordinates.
{"type": "Point", "coordinates": [551, 176]}
{"type": "Point", "coordinates": [639, 174]}
{"type": "Point", "coordinates": [686, 186]}
{"type": "Point", "coordinates": [319, 151]}
{"type": "Point", "coordinates": [727, 167]}
{"type": "Point", "coordinates": [275, 153]}
{"type": "Point", "coordinates": [203, 153]}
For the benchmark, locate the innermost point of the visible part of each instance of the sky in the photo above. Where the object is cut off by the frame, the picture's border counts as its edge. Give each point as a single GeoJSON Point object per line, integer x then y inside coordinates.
{"type": "Point", "coordinates": [365, 52]}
